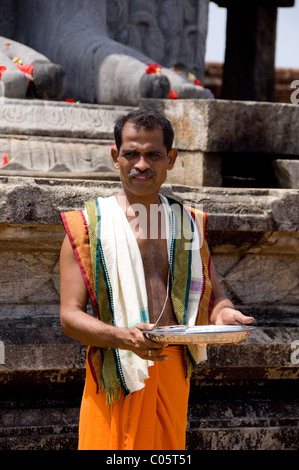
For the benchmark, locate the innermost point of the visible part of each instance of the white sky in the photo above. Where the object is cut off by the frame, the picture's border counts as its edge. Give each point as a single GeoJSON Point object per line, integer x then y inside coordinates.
{"type": "Point", "coordinates": [287, 37]}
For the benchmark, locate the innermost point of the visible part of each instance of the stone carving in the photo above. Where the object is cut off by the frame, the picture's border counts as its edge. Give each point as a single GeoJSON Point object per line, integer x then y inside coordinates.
{"type": "Point", "coordinates": [104, 47]}
{"type": "Point", "coordinates": [169, 31]}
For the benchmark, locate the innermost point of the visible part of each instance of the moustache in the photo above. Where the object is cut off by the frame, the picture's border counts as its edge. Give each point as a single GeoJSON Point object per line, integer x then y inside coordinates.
{"type": "Point", "coordinates": [137, 172]}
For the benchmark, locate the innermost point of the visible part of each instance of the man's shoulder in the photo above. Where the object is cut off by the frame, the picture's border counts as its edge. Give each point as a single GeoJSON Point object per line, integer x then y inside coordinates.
{"type": "Point", "coordinates": [73, 219]}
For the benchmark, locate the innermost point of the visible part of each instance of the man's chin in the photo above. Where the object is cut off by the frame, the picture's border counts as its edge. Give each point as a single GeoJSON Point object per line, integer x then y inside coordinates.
{"type": "Point", "coordinates": [142, 190]}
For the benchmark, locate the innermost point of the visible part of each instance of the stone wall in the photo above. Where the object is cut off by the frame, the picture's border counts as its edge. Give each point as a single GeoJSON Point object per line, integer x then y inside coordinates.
{"type": "Point", "coordinates": [251, 236]}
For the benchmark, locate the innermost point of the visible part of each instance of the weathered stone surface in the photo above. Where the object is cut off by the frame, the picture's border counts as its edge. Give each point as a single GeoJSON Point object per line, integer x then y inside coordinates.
{"type": "Point", "coordinates": [199, 125]}
{"type": "Point", "coordinates": [233, 126]}
{"type": "Point", "coordinates": [196, 169]}
{"type": "Point", "coordinates": [236, 438]}
{"type": "Point", "coordinates": [287, 173]}
{"type": "Point", "coordinates": [55, 118]}
{"type": "Point", "coordinates": [39, 201]}
{"type": "Point", "coordinates": [246, 265]}
{"type": "Point", "coordinates": [46, 154]}
{"type": "Point", "coordinates": [88, 156]}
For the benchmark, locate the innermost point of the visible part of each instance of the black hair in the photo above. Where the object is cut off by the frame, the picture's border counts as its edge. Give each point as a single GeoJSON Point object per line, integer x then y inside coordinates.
{"type": "Point", "coordinates": [149, 118]}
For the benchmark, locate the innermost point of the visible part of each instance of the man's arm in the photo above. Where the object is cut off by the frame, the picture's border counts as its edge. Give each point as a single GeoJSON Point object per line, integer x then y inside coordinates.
{"type": "Point", "coordinates": [79, 325]}
{"type": "Point", "coordinates": [224, 312]}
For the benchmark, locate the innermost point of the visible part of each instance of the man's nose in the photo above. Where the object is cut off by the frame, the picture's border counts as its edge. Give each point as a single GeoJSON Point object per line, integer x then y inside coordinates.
{"type": "Point", "coordinates": [142, 163]}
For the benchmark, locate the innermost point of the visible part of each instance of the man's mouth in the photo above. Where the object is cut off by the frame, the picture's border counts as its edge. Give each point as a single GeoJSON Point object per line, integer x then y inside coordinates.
{"type": "Point", "coordinates": [141, 175]}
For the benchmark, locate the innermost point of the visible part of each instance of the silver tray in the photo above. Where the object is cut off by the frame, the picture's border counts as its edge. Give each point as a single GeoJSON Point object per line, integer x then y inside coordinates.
{"type": "Point", "coordinates": [203, 335]}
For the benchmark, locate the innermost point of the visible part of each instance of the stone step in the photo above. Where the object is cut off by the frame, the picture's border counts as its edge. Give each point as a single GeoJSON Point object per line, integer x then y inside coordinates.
{"type": "Point", "coordinates": [229, 209]}
{"type": "Point", "coordinates": [254, 438]}
{"type": "Point", "coordinates": [37, 346]}
{"type": "Point", "coordinates": [244, 424]}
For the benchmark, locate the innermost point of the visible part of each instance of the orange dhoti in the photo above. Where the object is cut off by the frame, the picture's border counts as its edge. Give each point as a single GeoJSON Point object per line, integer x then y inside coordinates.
{"type": "Point", "coordinates": [154, 418]}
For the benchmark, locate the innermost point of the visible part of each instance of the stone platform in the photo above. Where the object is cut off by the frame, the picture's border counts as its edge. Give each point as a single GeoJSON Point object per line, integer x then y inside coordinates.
{"type": "Point", "coordinates": [244, 397]}
{"type": "Point", "coordinates": [220, 142]}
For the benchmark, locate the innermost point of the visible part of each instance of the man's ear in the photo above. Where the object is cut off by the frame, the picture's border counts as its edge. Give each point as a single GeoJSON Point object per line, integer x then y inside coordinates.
{"type": "Point", "coordinates": [114, 155]}
{"type": "Point", "coordinates": [172, 155]}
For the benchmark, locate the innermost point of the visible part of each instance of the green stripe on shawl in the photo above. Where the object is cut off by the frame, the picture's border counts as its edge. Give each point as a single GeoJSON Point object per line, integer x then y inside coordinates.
{"type": "Point", "coordinates": [180, 265]}
{"type": "Point", "coordinates": [180, 259]}
{"type": "Point", "coordinates": [111, 371]}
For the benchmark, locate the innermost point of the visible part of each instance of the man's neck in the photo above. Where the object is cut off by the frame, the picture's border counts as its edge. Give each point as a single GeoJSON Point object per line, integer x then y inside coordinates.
{"type": "Point", "coordinates": [132, 199]}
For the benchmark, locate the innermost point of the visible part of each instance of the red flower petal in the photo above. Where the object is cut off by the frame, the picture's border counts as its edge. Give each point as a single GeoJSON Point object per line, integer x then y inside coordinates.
{"type": "Point", "coordinates": [5, 160]}
{"type": "Point", "coordinates": [69, 100]}
{"type": "Point", "coordinates": [153, 68]}
{"type": "Point", "coordinates": [197, 82]}
{"type": "Point", "coordinates": [2, 69]}
{"type": "Point", "coordinates": [173, 95]}
{"type": "Point", "coordinates": [27, 69]}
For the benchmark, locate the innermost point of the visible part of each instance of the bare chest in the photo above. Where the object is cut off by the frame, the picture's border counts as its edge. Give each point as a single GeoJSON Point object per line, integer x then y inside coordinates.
{"type": "Point", "coordinates": [156, 269]}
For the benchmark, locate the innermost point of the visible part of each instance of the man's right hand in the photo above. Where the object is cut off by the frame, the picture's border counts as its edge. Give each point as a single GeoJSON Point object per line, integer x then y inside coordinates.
{"type": "Point", "coordinates": [143, 346]}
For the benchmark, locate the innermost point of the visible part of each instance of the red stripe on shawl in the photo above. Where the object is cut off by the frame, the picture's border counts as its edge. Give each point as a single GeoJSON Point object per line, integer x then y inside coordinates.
{"type": "Point", "coordinates": [85, 277]}
{"type": "Point", "coordinates": [211, 303]}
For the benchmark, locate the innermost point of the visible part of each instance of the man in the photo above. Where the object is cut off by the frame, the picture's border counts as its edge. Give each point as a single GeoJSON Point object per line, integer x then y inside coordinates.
{"type": "Point", "coordinates": [136, 390]}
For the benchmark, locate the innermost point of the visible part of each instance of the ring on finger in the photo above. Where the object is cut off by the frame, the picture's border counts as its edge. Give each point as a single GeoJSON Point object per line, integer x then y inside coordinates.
{"type": "Point", "coordinates": [150, 353]}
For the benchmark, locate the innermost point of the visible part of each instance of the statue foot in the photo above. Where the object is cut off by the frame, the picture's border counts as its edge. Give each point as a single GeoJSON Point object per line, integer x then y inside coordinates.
{"type": "Point", "coordinates": [13, 83]}
{"type": "Point", "coordinates": [121, 79]}
{"type": "Point", "coordinates": [44, 80]}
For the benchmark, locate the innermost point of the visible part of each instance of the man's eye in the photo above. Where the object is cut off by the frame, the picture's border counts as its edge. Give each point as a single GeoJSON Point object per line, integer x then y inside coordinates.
{"type": "Point", "coordinates": [154, 156]}
{"type": "Point", "coordinates": [130, 154]}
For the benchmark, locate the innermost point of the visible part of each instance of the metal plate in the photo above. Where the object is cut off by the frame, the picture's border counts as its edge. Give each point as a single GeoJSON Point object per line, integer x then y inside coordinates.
{"type": "Point", "coordinates": [208, 334]}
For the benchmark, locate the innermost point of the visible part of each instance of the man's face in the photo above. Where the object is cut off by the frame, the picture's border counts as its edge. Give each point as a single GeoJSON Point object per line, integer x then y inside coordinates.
{"type": "Point", "coordinates": [143, 160]}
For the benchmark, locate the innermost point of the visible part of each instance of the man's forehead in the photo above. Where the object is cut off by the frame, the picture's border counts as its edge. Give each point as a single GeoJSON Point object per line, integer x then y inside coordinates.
{"type": "Point", "coordinates": [132, 128]}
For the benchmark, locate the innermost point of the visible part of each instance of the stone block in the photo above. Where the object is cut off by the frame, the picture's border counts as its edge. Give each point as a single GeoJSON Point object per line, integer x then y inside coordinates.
{"type": "Point", "coordinates": [232, 126]}
{"type": "Point", "coordinates": [246, 270]}
{"type": "Point", "coordinates": [196, 169]}
{"type": "Point", "coordinates": [287, 173]}
{"type": "Point", "coordinates": [57, 118]}
{"type": "Point", "coordinates": [43, 154]}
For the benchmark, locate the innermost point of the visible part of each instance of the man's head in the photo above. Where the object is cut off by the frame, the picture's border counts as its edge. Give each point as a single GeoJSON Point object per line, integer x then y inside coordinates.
{"type": "Point", "coordinates": [147, 119]}
{"type": "Point", "coordinates": [144, 152]}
